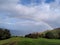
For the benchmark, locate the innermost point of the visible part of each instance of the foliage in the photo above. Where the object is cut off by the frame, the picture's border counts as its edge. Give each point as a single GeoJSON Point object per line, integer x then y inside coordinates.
{"type": "Point", "coordinates": [49, 35]}
{"type": "Point", "coordinates": [4, 34]}
{"type": "Point", "coordinates": [52, 34]}
{"type": "Point", "coordinates": [33, 35]}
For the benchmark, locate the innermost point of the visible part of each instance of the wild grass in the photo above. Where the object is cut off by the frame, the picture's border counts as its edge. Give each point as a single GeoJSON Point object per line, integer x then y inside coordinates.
{"type": "Point", "coordinates": [29, 41]}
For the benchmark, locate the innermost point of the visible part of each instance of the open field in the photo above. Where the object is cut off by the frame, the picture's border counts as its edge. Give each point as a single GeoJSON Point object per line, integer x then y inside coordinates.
{"type": "Point", "coordinates": [29, 41]}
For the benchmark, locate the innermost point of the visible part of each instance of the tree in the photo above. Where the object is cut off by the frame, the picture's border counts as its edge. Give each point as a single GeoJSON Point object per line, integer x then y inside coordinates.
{"type": "Point", "coordinates": [1, 33]}
{"type": "Point", "coordinates": [49, 35]}
{"type": "Point", "coordinates": [52, 35]}
{"type": "Point", "coordinates": [4, 34]}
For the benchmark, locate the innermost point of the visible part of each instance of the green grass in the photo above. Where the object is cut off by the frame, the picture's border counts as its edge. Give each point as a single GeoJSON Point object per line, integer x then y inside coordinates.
{"type": "Point", "coordinates": [29, 41]}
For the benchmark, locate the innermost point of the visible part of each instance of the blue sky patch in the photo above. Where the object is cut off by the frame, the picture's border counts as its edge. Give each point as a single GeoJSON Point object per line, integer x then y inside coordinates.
{"type": "Point", "coordinates": [49, 1]}
{"type": "Point", "coordinates": [30, 2]}
{"type": "Point", "coordinates": [25, 2]}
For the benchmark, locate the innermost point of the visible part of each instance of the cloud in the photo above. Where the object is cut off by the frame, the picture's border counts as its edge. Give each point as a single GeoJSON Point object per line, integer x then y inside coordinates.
{"type": "Point", "coordinates": [39, 12]}
{"type": "Point", "coordinates": [42, 11]}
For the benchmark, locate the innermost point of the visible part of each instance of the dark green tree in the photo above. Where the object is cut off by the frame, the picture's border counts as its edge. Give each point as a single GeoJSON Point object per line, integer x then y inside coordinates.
{"type": "Point", "coordinates": [4, 34]}
{"type": "Point", "coordinates": [52, 35]}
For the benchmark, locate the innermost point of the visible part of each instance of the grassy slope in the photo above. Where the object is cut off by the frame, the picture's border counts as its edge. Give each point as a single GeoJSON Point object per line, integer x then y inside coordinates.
{"type": "Point", "coordinates": [28, 41]}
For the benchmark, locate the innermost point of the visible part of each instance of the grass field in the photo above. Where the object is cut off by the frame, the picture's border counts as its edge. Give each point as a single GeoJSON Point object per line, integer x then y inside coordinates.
{"type": "Point", "coordinates": [29, 41]}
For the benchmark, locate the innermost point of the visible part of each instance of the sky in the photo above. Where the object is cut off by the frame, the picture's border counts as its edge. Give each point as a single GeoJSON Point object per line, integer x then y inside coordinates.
{"type": "Point", "coordinates": [29, 16]}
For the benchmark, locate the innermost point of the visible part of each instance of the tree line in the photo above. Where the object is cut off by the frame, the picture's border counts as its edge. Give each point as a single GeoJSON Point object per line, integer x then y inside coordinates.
{"type": "Point", "coordinates": [50, 34]}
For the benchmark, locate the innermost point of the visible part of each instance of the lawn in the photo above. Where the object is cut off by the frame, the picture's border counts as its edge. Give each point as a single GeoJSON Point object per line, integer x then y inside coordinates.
{"type": "Point", "coordinates": [29, 41]}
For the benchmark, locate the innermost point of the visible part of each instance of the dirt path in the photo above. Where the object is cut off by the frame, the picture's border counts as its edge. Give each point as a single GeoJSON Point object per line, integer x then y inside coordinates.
{"type": "Point", "coordinates": [13, 43]}
{"type": "Point", "coordinates": [5, 44]}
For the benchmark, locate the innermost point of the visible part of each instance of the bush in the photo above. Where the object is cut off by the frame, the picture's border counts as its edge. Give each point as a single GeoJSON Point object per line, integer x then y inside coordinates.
{"type": "Point", "coordinates": [4, 34]}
